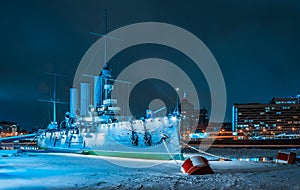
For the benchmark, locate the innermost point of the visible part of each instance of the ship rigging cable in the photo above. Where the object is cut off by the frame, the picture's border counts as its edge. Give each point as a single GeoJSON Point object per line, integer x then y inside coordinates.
{"type": "Point", "coordinates": [165, 144]}
{"type": "Point", "coordinates": [203, 152]}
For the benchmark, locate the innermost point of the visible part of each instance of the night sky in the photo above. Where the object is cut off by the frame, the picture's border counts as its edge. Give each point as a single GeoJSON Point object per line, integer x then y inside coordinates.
{"type": "Point", "coordinates": [256, 44]}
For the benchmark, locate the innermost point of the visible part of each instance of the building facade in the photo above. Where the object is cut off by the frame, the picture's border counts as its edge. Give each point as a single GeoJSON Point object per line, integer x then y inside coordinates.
{"type": "Point", "coordinates": [279, 116]}
{"type": "Point", "coordinates": [9, 128]}
{"type": "Point", "coordinates": [189, 118]}
{"type": "Point", "coordinates": [192, 120]}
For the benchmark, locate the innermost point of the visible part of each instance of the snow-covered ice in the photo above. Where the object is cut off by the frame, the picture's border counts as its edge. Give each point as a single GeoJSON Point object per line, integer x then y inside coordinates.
{"type": "Point", "coordinates": [69, 171]}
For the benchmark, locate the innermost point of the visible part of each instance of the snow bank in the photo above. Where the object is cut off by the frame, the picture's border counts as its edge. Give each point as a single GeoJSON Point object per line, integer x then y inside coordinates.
{"type": "Point", "coordinates": [68, 171]}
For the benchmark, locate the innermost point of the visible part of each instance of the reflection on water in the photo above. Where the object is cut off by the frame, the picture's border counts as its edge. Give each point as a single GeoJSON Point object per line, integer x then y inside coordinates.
{"type": "Point", "coordinates": [255, 159]}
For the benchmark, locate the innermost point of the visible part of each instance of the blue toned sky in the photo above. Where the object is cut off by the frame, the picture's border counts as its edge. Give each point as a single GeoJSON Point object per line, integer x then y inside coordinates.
{"type": "Point", "coordinates": [256, 44]}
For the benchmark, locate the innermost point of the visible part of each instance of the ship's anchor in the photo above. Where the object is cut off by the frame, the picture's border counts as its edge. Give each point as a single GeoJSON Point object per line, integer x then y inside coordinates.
{"type": "Point", "coordinates": [147, 137]}
{"type": "Point", "coordinates": [134, 138]}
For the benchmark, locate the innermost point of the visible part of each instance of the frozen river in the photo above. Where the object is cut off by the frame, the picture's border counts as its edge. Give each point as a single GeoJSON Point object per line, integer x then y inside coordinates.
{"type": "Point", "coordinates": [69, 171]}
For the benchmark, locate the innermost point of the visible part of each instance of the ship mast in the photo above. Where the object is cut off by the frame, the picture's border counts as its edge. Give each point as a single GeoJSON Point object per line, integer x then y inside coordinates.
{"type": "Point", "coordinates": [103, 79]}
{"type": "Point", "coordinates": [54, 100]}
{"type": "Point", "coordinates": [105, 33]}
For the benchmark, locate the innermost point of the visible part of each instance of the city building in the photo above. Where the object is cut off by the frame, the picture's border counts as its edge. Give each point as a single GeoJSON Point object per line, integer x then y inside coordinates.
{"type": "Point", "coordinates": [9, 128]}
{"type": "Point", "coordinates": [203, 120]}
{"type": "Point", "coordinates": [255, 120]}
{"type": "Point", "coordinates": [194, 122]}
{"type": "Point", "coordinates": [189, 118]}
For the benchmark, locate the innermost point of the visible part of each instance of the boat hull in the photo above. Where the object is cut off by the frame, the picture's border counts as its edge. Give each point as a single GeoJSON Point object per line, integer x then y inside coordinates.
{"type": "Point", "coordinates": [138, 155]}
{"type": "Point", "coordinates": [120, 139]}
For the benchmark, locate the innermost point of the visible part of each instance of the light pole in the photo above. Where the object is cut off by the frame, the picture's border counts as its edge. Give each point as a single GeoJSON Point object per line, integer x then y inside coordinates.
{"type": "Point", "coordinates": [176, 110]}
{"type": "Point", "coordinates": [177, 91]}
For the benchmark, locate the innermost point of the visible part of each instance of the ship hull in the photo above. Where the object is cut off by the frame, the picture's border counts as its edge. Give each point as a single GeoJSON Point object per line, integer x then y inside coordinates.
{"type": "Point", "coordinates": [119, 139]}
{"type": "Point", "coordinates": [138, 155]}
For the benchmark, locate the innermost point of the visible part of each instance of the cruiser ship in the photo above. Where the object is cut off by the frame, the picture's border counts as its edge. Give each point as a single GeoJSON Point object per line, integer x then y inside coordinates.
{"type": "Point", "coordinates": [102, 131]}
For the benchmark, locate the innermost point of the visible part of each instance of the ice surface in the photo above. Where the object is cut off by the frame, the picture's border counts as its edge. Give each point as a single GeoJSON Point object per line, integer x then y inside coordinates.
{"type": "Point", "coordinates": [69, 171]}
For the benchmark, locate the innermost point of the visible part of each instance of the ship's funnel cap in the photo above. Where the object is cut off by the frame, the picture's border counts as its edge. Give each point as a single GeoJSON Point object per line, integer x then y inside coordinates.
{"type": "Point", "coordinates": [67, 114]}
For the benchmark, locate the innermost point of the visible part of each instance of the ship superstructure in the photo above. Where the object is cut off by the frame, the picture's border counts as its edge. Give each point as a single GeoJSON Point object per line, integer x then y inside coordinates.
{"type": "Point", "coordinates": [100, 129]}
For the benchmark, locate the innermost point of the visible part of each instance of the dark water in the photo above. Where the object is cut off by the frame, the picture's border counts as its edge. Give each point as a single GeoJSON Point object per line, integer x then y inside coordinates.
{"type": "Point", "coordinates": [243, 154]}
{"type": "Point", "coordinates": [255, 159]}
{"type": "Point", "coordinates": [258, 159]}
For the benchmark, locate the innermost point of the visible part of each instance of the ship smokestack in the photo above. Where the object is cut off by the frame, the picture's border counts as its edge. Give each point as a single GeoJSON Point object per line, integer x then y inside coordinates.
{"type": "Point", "coordinates": [84, 98]}
{"type": "Point", "coordinates": [73, 101]}
{"type": "Point", "coordinates": [97, 91]}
